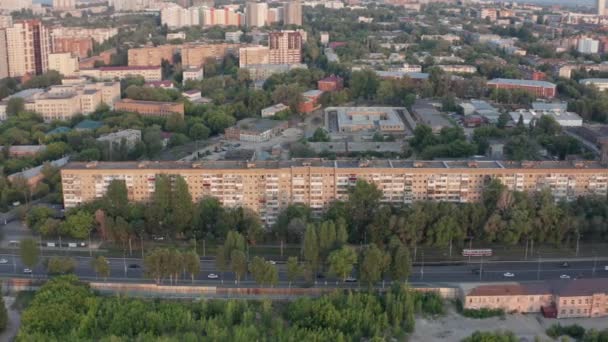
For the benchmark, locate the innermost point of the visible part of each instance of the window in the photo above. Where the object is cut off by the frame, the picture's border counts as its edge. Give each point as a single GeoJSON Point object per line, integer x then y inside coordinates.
{"type": "Point", "coordinates": [563, 311]}
{"type": "Point", "coordinates": [571, 311]}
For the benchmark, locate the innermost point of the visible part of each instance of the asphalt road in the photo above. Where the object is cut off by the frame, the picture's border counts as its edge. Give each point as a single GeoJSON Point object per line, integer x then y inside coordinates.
{"type": "Point", "coordinates": [131, 270]}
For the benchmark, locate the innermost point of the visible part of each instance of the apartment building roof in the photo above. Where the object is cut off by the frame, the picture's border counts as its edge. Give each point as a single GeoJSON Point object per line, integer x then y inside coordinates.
{"type": "Point", "coordinates": [563, 288]}
{"type": "Point", "coordinates": [346, 164]}
{"type": "Point", "coordinates": [525, 83]}
{"type": "Point", "coordinates": [510, 290]}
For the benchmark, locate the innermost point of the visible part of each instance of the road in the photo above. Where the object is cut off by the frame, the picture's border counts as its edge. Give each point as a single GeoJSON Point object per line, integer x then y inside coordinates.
{"type": "Point", "coordinates": [131, 270]}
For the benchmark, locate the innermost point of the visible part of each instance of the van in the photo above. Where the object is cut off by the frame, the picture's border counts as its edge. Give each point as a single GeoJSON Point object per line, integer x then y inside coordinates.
{"type": "Point", "coordinates": [606, 268]}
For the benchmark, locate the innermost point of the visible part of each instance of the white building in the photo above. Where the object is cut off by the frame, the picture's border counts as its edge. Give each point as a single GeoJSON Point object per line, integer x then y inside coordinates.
{"type": "Point", "coordinates": [588, 46]}
{"type": "Point", "coordinates": [600, 83]}
{"type": "Point", "coordinates": [563, 118]}
{"type": "Point", "coordinates": [193, 74]}
{"type": "Point", "coordinates": [233, 37]}
{"type": "Point", "coordinates": [273, 110]}
{"type": "Point", "coordinates": [130, 137]}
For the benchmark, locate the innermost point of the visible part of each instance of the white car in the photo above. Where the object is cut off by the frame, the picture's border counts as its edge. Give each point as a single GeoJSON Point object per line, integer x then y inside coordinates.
{"type": "Point", "coordinates": [350, 280]}
{"type": "Point", "coordinates": [564, 276]}
{"type": "Point", "coordinates": [509, 275]}
{"type": "Point", "coordinates": [27, 271]}
{"type": "Point", "coordinates": [213, 276]}
{"type": "Point", "coordinates": [3, 261]}
{"type": "Point", "coordinates": [272, 262]}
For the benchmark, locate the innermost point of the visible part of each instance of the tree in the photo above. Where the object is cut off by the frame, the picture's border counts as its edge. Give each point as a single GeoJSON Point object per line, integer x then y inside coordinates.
{"type": "Point", "coordinates": [401, 265]}
{"type": "Point", "coordinates": [363, 201]}
{"type": "Point", "coordinates": [50, 227]}
{"type": "Point", "coordinates": [156, 264]}
{"type": "Point", "coordinates": [79, 225]}
{"type": "Point", "coordinates": [37, 216]}
{"type": "Point", "coordinates": [181, 206]}
{"type": "Point", "coordinates": [192, 264]}
{"type": "Point", "coordinates": [29, 252]}
{"type": "Point", "coordinates": [60, 265]}
{"type": "Point", "coordinates": [341, 233]}
{"type": "Point", "coordinates": [497, 336]}
{"type": "Point", "coordinates": [263, 272]}
{"type": "Point", "coordinates": [199, 131]}
{"type": "Point", "coordinates": [373, 264]}
{"type": "Point", "coordinates": [116, 199]}
{"type": "Point", "coordinates": [293, 269]}
{"type": "Point", "coordinates": [3, 315]}
{"type": "Point", "coordinates": [310, 247]}
{"type": "Point", "coordinates": [15, 106]}
{"type": "Point", "coordinates": [101, 266]}
{"type": "Point", "coordinates": [341, 262]}
{"type": "Point", "coordinates": [238, 264]}
{"type": "Point", "coordinates": [364, 84]}
{"type": "Point", "coordinates": [320, 135]}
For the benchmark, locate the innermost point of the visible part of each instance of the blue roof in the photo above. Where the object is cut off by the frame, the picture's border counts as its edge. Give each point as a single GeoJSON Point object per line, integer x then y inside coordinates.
{"type": "Point", "coordinates": [59, 130]}
{"type": "Point", "coordinates": [88, 124]}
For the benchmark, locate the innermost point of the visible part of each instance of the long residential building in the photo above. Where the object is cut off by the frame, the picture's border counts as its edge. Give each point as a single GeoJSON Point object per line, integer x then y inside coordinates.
{"type": "Point", "coordinates": [269, 187]}
{"type": "Point", "coordinates": [149, 73]}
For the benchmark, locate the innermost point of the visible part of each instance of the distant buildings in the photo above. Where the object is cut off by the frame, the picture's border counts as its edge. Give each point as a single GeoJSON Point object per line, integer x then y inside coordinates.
{"type": "Point", "coordinates": [293, 13]}
{"type": "Point", "coordinates": [64, 63]}
{"type": "Point", "coordinates": [128, 137]}
{"type": "Point", "coordinates": [331, 83]}
{"type": "Point", "coordinates": [588, 46]}
{"type": "Point", "coordinates": [425, 114]}
{"type": "Point", "coordinates": [482, 109]}
{"type": "Point", "coordinates": [366, 119]}
{"type": "Point", "coordinates": [600, 83]}
{"type": "Point", "coordinates": [561, 115]}
{"type": "Point", "coordinates": [285, 47]}
{"type": "Point", "coordinates": [274, 110]}
{"type": "Point", "coordinates": [458, 69]}
{"type": "Point", "coordinates": [601, 7]}
{"type": "Point", "coordinates": [255, 130]}
{"type": "Point", "coordinates": [149, 74]}
{"type": "Point", "coordinates": [150, 108]}
{"type": "Point", "coordinates": [176, 16]}
{"type": "Point", "coordinates": [151, 56]}
{"type": "Point", "coordinates": [537, 88]}
{"type": "Point", "coordinates": [254, 55]}
{"type": "Point", "coordinates": [310, 101]}
{"type": "Point", "coordinates": [192, 74]}
{"type": "Point", "coordinates": [256, 13]}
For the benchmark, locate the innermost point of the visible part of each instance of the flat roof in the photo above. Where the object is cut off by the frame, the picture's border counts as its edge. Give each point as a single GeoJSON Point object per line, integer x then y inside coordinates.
{"type": "Point", "coordinates": [258, 124]}
{"type": "Point", "coordinates": [533, 83]}
{"type": "Point", "coordinates": [563, 288]}
{"type": "Point", "coordinates": [593, 80]}
{"type": "Point", "coordinates": [343, 163]}
{"type": "Point", "coordinates": [370, 116]}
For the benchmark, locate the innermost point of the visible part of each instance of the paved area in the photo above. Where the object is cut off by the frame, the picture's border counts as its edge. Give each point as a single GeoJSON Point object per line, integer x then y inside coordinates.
{"type": "Point", "coordinates": [454, 327]}
{"type": "Point", "coordinates": [14, 320]}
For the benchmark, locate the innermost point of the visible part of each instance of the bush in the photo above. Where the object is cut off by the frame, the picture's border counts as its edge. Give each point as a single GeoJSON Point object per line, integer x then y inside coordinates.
{"type": "Point", "coordinates": [575, 331]}
{"type": "Point", "coordinates": [478, 313]}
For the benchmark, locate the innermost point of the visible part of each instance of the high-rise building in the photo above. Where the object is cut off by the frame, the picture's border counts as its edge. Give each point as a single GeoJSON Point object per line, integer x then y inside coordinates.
{"type": "Point", "coordinates": [275, 15]}
{"type": "Point", "coordinates": [293, 13]}
{"type": "Point", "coordinates": [6, 21]}
{"type": "Point", "coordinates": [3, 55]}
{"type": "Point", "coordinates": [28, 44]}
{"type": "Point", "coordinates": [15, 5]}
{"type": "Point", "coordinates": [253, 55]}
{"type": "Point", "coordinates": [64, 4]}
{"type": "Point", "coordinates": [588, 46]}
{"type": "Point", "coordinates": [601, 7]}
{"type": "Point", "coordinates": [65, 63]}
{"type": "Point", "coordinates": [256, 13]}
{"type": "Point", "coordinates": [130, 5]}
{"type": "Point", "coordinates": [285, 47]}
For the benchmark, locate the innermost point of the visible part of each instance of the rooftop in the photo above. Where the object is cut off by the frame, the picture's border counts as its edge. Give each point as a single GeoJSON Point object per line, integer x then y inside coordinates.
{"type": "Point", "coordinates": [522, 82]}
{"type": "Point", "coordinates": [346, 163]}
{"type": "Point", "coordinates": [564, 288]}
{"type": "Point", "coordinates": [257, 124]}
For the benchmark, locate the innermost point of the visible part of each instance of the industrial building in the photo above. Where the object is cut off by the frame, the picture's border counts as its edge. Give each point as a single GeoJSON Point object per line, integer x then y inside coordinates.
{"type": "Point", "coordinates": [367, 119]}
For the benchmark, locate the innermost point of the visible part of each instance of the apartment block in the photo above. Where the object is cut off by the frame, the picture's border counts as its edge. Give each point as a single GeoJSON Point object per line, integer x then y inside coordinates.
{"type": "Point", "coordinates": [6, 21]}
{"type": "Point", "coordinates": [554, 299]}
{"type": "Point", "coordinates": [63, 5]}
{"type": "Point", "coordinates": [99, 35]}
{"type": "Point", "coordinates": [15, 5]}
{"type": "Point", "coordinates": [253, 55]}
{"type": "Point", "coordinates": [293, 13]}
{"type": "Point", "coordinates": [195, 55]}
{"type": "Point", "coordinates": [64, 63]}
{"type": "Point", "coordinates": [285, 47]}
{"type": "Point", "coordinates": [150, 74]}
{"type": "Point", "coordinates": [150, 108]}
{"type": "Point", "coordinates": [256, 14]}
{"type": "Point", "coordinates": [3, 55]}
{"type": "Point", "coordinates": [28, 44]}
{"type": "Point", "coordinates": [104, 57]}
{"type": "Point", "coordinates": [538, 88]}
{"type": "Point", "coordinates": [78, 46]}
{"type": "Point", "coordinates": [152, 55]}
{"type": "Point", "coordinates": [221, 17]}
{"type": "Point", "coordinates": [267, 187]}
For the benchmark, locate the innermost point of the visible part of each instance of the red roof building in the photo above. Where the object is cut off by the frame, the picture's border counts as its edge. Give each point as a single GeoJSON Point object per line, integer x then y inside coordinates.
{"type": "Point", "coordinates": [331, 83]}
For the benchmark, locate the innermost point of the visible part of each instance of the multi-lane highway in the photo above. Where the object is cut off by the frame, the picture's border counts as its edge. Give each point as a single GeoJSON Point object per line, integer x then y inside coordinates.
{"type": "Point", "coordinates": [131, 270]}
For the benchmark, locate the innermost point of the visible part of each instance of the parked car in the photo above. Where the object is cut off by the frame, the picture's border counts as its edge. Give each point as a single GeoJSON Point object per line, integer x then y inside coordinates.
{"type": "Point", "coordinates": [27, 271]}
{"type": "Point", "coordinates": [213, 276]}
{"type": "Point", "coordinates": [350, 280]}
{"type": "Point", "coordinates": [509, 275]}
{"type": "Point", "coordinates": [564, 276]}
{"type": "Point", "coordinates": [272, 262]}
{"type": "Point", "coordinates": [134, 266]}
{"type": "Point", "coordinates": [3, 261]}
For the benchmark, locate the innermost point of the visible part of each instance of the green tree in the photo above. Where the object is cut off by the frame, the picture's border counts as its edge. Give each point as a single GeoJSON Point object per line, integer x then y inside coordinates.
{"type": "Point", "coordinates": [373, 264]}
{"type": "Point", "coordinates": [181, 207]}
{"type": "Point", "coordinates": [116, 199]}
{"type": "Point", "coordinates": [238, 264]}
{"type": "Point", "coordinates": [3, 315]}
{"type": "Point", "coordinates": [341, 262]}
{"type": "Point", "coordinates": [29, 252]}
{"type": "Point", "coordinates": [50, 227]}
{"type": "Point", "coordinates": [497, 336]}
{"type": "Point", "coordinates": [60, 265]}
{"type": "Point", "coordinates": [199, 131]}
{"type": "Point", "coordinates": [37, 216]}
{"type": "Point", "coordinates": [15, 106]}
{"type": "Point", "coordinates": [101, 266]}
{"type": "Point", "coordinates": [79, 224]}
{"type": "Point", "coordinates": [192, 264]}
{"type": "Point", "coordinates": [320, 135]}
{"type": "Point", "coordinates": [310, 247]}
{"type": "Point", "coordinates": [293, 269]}
{"type": "Point", "coordinates": [364, 84]}
{"type": "Point", "coordinates": [363, 201]}
{"type": "Point", "coordinates": [401, 265]}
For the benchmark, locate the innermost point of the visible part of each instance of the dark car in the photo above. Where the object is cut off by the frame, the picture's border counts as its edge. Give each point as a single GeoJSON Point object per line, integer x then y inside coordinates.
{"type": "Point", "coordinates": [134, 266]}
{"type": "Point", "coordinates": [476, 270]}
{"type": "Point", "coordinates": [320, 276]}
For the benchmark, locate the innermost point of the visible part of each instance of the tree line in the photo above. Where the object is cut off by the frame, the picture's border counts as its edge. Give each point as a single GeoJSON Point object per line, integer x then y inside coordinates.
{"type": "Point", "coordinates": [79, 313]}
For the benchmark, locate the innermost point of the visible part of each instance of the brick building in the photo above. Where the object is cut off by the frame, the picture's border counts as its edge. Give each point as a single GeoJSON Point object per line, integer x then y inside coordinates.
{"type": "Point", "coordinates": [269, 187]}
{"type": "Point", "coordinates": [150, 108]}
{"type": "Point", "coordinates": [195, 55]}
{"type": "Point", "coordinates": [255, 130]}
{"type": "Point", "coordinates": [80, 46]}
{"type": "Point", "coordinates": [331, 83]}
{"type": "Point", "coordinates": [285, 47]}
{"type": "Point", "coordinates": [537, 88]}
{"type": "Point", "coordinates": [559, 299]}
{"type": "Point", "coordinates": [152, 55]}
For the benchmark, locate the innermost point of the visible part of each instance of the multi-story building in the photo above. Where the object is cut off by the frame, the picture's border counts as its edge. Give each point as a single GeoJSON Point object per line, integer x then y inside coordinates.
{"type": "Point", "coordinates": [64, 63]}
{"type": "Point", "coordinates": [275, 15]}
{"type": "Point", "coordinates": [6, 21]}
{"type": "Point", "coordinates": [15, 5]}
{"type": "Point", "coordinates": [177, 16]}
{"type": "Point", "coordinates": [195, 55]}
{"type": "Point", "coordinates": [63, 5]}
{"type": "Point", "coordinates": [601, 7]}
{"type": "Point", "coordinates": [233, 37]}
{"type": "Point", "coordinates": [62, 102]}
{"type": "Point", "coordinates": [588, 46]}
{"type": "Point", "coordinates": [104, 57]}
{"type": "Point", "coordinates": [193, 74]}
{"type": "Point", "coordinates": [130, 137]}
{"type": "Point", "coordinates": [293, 12]}
{"type": "Point", "coordinates": [370, 119]}
{"type": "Point", "coordinates": [555, 299]}
{"type": "Point", "coordinates": [487, 13]}
{"type": "Point", "coordinates": [150, 108]}
{"type": "Point", "coordinates": [152, 55]}
{"type": "Point", "coordinates": [99, 35]}
{"type": "Point", "coordinates": [261, 72]}
{"type": "Point", "coordinates": [256, 14]}
{"type": "Point", "coordinates": [458, 68]}
{"type": "Point", "coordinates": [28, 44]}
{"type": "Point", "coordinates": [253, 55]}
{"type": "Point", "coordinates": [78, 46]}
{"type": "Point", "coordinates": [600, 83]}
{"type": "Point", "coordinates": [150, 74]}
{"type": "Point", "coordinates": [3, 55]}
{"type": "Point", "coordinates": [538, 88]}
{"type": "Point", "coordinates": [222, 17]}
{"type": "Point", "coordinates": [255, 130]}
{"type": "Point", "coordinates": [285, 47]}
{"type": "Point", "coordinates": [269, 187]}
{"type": "Point", "coordinates": [130, 5]}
